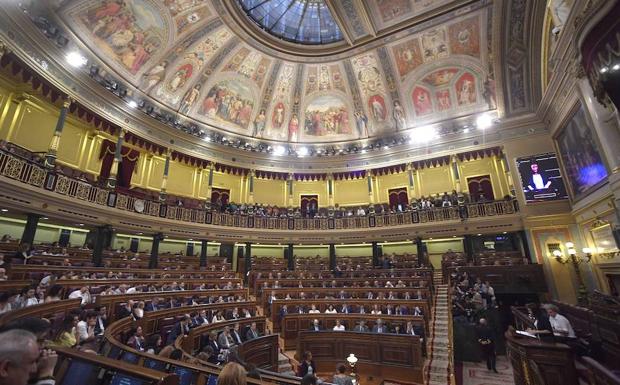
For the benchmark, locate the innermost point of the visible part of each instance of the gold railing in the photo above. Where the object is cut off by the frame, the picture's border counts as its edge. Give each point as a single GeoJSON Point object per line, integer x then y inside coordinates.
{"type": "Point", "coordinates": [27, 171]}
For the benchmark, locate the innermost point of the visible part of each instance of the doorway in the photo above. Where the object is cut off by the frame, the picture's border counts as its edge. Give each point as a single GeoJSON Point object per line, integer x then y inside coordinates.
{"type": "Point", "coordinates": [309, 205]}
{"type": "Point", "coordinates": [480, 188]}
{"type": "Point", "coordinates": [398, 197]}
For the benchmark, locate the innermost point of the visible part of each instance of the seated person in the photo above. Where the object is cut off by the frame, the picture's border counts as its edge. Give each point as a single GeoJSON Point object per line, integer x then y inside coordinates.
{"type": "Point", "coordinates": [361, 327]}
{"type": "Point", "coordinates": [379, 327]}
{"type": "Point", "coordinates": [339, 326]}
{"type": "Point", "coordinates": [313, 309]}
{"type": "Point", "coordinates": [252, 332]}
{"type": "Point", "coordinates": [315, 325]}
{"type": "Point", "coordinates": [330, 309]}
{"type": "Point", "coordinates": [559, 324]}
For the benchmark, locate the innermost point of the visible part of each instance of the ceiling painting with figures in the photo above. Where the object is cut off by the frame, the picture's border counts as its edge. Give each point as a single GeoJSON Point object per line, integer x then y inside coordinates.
{"type": "Point", "coordinates": [190, 58]}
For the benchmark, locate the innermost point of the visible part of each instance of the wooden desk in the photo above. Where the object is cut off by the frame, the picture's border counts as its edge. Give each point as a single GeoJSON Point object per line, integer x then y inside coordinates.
{"type": "Point", "coordinates": [322, 304]}
{"type": "Point", "coordinates": [262, 352]}
{"type": "Point", "coordinates": [393, 357]}
{"type": "Point", "coordinates": [293, 324]}
{"type": "Point", "coordinates": [537, 362]}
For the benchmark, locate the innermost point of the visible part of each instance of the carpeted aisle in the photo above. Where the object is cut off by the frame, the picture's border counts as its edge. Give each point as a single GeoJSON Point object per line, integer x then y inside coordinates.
{"type": "Point", "coordinates": [472, 373]}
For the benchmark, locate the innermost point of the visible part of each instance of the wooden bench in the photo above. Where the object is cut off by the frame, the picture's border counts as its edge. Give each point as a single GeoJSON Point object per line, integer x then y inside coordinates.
{"type": "Point", "coordinates": [293, 324]}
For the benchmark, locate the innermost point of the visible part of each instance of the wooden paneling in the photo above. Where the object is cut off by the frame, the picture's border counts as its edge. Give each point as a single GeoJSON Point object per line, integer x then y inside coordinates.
{"type": "Point", "coordinates": [389, 356]}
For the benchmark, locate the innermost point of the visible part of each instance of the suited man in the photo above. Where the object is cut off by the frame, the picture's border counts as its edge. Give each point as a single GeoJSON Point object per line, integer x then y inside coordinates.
{"type": "Point", "coordinates": [236, 335]}
{"type": "Point", "coordinates": [370, 295]}
{"type": "Point", "coordinates": [379, 327]}
{"type": "Point", "coordinates": [345, 309]}
{"type": "Point", "coordinates": [283, 311]}
{"type": "Point", "coordinates": [252, 332]}
{"type": "Point", "coordinates": [225, 340]}
{"type": "Point", "coordinates": [181, 328]}
{"type": "Point", "coordinates": [410, 329]}
{"type": "Point", "coordinates": [315, 326]}
{"type": "Point", "coordinates": [301, 309]}
{"type": "Point", "coordinates": [102, 320]}
{"type": "Point", "coordinates": [126, 310]}
{"type": "Point", "coordinates": [361, 327]}
{"type": "Point", "coordinates": [201, 319]}
{"type": "Point", "coordinates": [153, 305]}
{"type": "Point", "coordinates": [342, 295]}
{"type": "Point", "coordinates": [212, 342]}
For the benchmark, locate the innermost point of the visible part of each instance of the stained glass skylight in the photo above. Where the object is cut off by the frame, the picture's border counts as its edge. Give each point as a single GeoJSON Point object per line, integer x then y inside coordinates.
{"type": "Point", "coordinates": [298, 21]}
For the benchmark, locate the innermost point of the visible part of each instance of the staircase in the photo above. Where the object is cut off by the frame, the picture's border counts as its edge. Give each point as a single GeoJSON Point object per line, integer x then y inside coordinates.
{"type": "Point", "coordinates": [284, 365]}
{"type": "Point", "coordinates": [439, 369]}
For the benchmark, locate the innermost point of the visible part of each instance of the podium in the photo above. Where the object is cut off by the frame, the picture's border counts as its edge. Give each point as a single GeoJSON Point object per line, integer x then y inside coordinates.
{"type": "Point", "coordinates": [535, 362]}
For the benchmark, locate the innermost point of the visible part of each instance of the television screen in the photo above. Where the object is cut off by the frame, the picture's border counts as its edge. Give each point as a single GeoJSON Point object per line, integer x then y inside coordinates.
{"type": "Point", "coordinates": [212, 379]}
{"type": "Point", "coordinates": [123, 379]}
{"type": "Point", "coordinates": [155, 365]}
{"type": "Point", "coordinates": [540, 178]}
{"type": "Point", "coordinates": [80, 372]}
{"type": "Point", "coordinates": [130, 357]}
{"type": "Point", "coordinates": [186, 375]}
{"type": "Point", "coordinates": [114, 352]}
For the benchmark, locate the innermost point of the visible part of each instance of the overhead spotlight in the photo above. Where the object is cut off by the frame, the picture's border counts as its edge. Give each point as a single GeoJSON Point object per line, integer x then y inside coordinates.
{"type": "Point", "coordinates": [303, 151]}
{"type": "Point", "coordinates": [423, 134]}
{"type": "Point", "coordinates": [616, 67]}
{"type": "Point", "coordinates": [132, 104]}
{"type": "Point", "coordinates": [386, 147]}
{"type": "Point", "coordinates": [279, 150]}
{"type": "Point", "coordinates": [484, 121]}
{"type": "Point", "coordinates": [75, 59]}
{"type": "Point", "coordinates": [4, 210]}
{"type": "Point", "coordinates": [465, 130]}
{"type": "Point", "coordinates": [604, 70]}
{"type": "Point", "coordinates": [363, 151]}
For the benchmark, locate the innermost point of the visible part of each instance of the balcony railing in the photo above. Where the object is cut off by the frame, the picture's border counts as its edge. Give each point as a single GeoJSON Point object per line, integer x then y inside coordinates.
{"type": "Point", "coordinates": [29, 172]}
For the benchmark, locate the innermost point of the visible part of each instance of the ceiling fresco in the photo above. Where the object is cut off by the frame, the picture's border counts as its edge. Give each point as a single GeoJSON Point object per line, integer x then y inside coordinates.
{"type": "Point", "coordinates": [181, 54]}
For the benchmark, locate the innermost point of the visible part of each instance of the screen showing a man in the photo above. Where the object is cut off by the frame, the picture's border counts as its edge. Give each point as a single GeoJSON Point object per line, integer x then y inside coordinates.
{"type": "Point", "coordinates": [540, 178]}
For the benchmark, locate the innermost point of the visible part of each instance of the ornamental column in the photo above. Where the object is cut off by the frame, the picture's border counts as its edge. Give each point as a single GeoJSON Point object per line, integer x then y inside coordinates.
{"type": "Point", "coordinates": [506, 167]}
{"type": "Point", "coordinates": [154, 258]}
{"type": "Point", "coordinates": [290, 254]}
{"type": "Point", "coordinates": [118, 154]}
{"type": "Point", "coordinates": [30, 229]}
{"type": "Point", "coordinates": [210, 184]}
{"type": "Point", "coordinates": [330, 190]}
{"type": "Point", "coordinates": [248, 258]}
{"type": "Point", "coordinates": [289, 189]}
{"type": "Point", "coordinates": [456, 174]}
{"type": "Point", "coordinates": [204, 244]}
{"type": "Point", "coordinates": [164, 180]}
{"type": "Point", "coordinates": [332, 257]}
{"type": "Point", "coordinates": [251, 176]}
{"type": "Point", "coordinates": [369, 181]}
{"type": "Point", "coordinates": [50, 157]}
{"type": "Point", "coordinates": [411, 174]}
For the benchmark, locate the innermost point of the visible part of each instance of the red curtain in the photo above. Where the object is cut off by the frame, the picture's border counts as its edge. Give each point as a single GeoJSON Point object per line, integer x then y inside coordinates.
{"type": "Point", "coordinates": [398, 196]}
{"type": "Point", "coordinates": [480, 188]}
{"type": "Point", "coordinates": [218, 193]}
{"type": "Point", "coordinates": [129, 159]}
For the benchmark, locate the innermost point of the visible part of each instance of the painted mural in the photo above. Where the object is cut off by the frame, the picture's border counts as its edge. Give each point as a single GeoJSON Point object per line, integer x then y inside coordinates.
{"type": "Point", "coordinates": [186, 69]}
{"type": "Point", "coordinates": [229, 101]}
{"type": "Point", "coordinates": [129, 32]}
{"type": "Point", "coordinates": [581, 155]}
{"type": "Point", "coordinates": [180, 53]}
{"type": "Point", "coordinates": [447, 91]}
{"type": "Point", "coordinates": [327, 116]}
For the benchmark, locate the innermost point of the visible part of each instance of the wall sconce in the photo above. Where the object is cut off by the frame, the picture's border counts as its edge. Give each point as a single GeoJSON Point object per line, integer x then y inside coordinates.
{"type": "Point", "coordinates": [352, 360]}
{"type": "Point", "coordinates": [575, 260]}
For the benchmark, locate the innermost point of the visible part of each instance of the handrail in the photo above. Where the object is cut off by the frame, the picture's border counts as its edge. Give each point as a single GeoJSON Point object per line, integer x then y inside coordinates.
{"type": "Point", "coordinates": [197, 366]}
{"type": "Point", "coordinates": [28, 172]}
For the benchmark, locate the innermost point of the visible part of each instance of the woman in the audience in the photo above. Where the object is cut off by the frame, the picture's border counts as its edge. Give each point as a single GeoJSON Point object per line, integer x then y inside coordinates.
{"type": "Point", "coordinates": [339, 326]}
{"type": "Point", "coordinates": [330, 309]}
{"type": "Point", "coordinates": [313, 309]}
{"type": "Point", "coordinates": [232, 374]}
{"type": "Point", "coordinates": [340, 378]}
{"type": "Point", "coordinates": [375, 309]}
{"type": "Point", "coordinates": [153, 344]}
{"type": "Point", "coordinates": [54, 294]}
{"type": "Point", "coordinates": [307, 366]}
{"type": "Point", "coordinates": [218, 317]}
{"type": "Point", "coordinates": [67, 335]}
{"type": "Point", "coordinates": [136, 339]}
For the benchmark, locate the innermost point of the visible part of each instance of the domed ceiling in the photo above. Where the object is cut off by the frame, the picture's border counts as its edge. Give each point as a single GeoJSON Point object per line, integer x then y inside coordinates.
{"type": "Point", "coordinates": [408, 63]}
